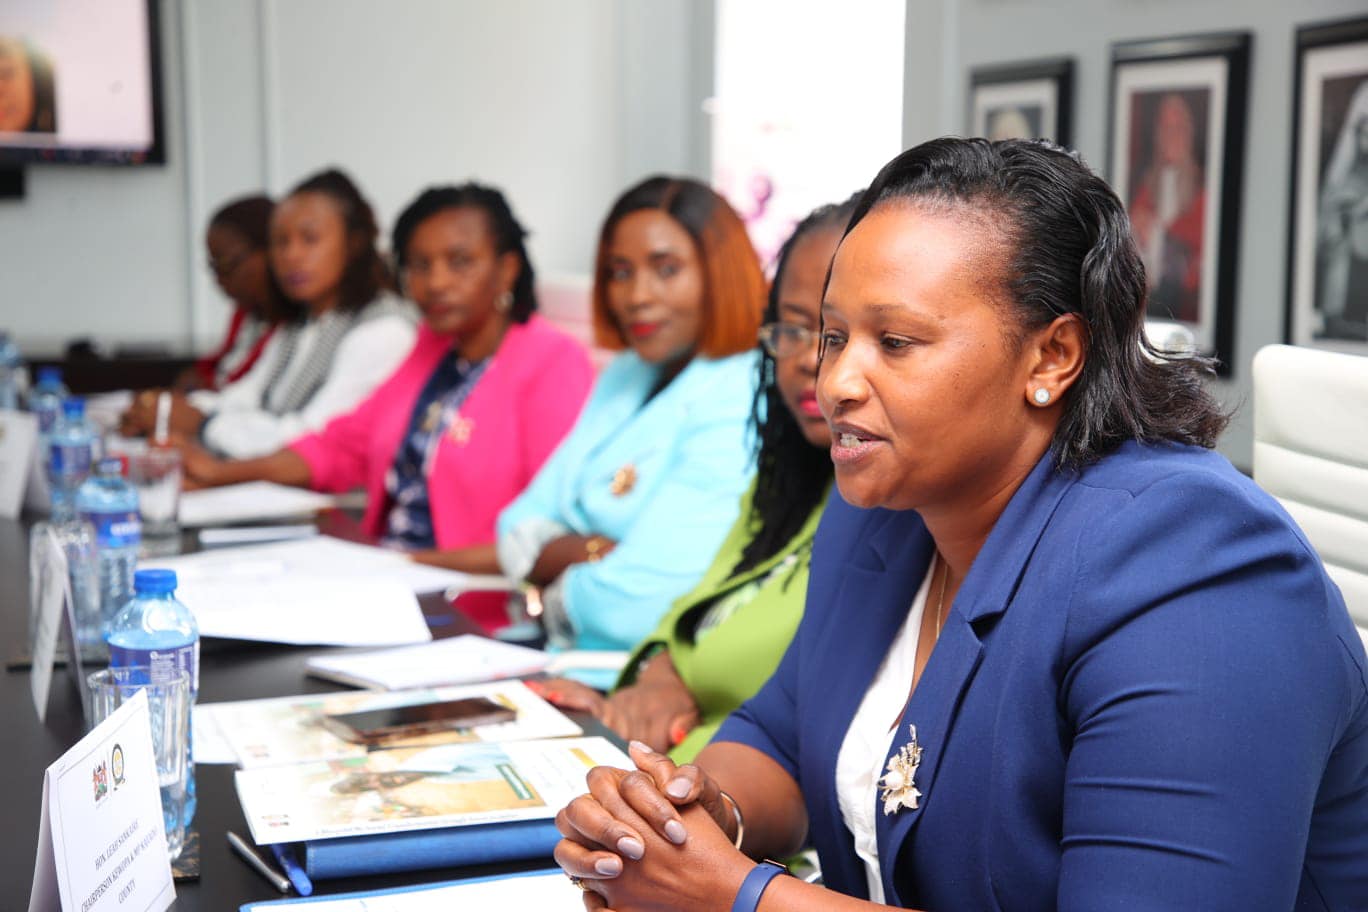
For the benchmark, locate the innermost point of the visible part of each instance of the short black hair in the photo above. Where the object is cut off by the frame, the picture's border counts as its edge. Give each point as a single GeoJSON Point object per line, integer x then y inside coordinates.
{"type": "Point", "coordinates": [249, 216]}
{"type": "Point", "coordinates": [792, 476]}
{"type": "Point", "coordinates": [1070, 251]}
{"type": "Point", "coordinates": [366, 274]}
{"type": "Point", "coordinates": [509, 234]}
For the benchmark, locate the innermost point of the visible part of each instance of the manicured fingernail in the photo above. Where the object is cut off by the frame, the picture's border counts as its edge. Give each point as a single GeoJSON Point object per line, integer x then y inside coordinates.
{"type": "Point", "coordinates": [631, 847]}
{"type": "Point", "coordinates": [641, 746]}
{"type": "Point", "coordinates": [674, 831]}
{"type": "Point", "coordinates": [609, 867]}
{"type": "Point", "coordinates": [677, 734]}
{"type": "Point", "coordinates": [678, 788]}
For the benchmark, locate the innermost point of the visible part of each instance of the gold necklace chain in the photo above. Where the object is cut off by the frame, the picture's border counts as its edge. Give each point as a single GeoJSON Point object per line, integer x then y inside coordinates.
{"type": "Point", "coordinates": [940, 605]}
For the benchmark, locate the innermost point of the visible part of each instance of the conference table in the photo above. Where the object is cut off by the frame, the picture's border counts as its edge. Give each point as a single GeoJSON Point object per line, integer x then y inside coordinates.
{"type": "Point", "coordinates": [229, 670]}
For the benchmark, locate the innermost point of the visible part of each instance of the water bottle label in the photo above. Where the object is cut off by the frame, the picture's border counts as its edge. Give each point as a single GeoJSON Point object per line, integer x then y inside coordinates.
{"type": "Point", "coordinates": [47, 417]}
{"type": "Point", "coordinates": [163, 662]}
{"type": "Point", "coordinates": [116, 530]}
{"type": "Point", "coordinates": [65, 459]}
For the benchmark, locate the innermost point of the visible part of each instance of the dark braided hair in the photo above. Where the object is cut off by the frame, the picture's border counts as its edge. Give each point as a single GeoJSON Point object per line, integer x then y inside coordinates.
{"type": "Point", "coordinates": [1069, 251]}
{"type": "Point", "coordinates": [507, 231]}
{"type": "Point", "coordinates": [792, 475]}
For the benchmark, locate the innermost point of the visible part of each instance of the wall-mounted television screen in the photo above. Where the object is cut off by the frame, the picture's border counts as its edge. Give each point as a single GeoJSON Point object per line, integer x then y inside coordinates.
{"type": "Point", "coordinates": [80, 81]}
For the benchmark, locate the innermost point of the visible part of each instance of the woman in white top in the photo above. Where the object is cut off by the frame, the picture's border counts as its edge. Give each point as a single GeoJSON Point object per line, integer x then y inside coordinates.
{"type": "Point", "coordinates": [344, 332]}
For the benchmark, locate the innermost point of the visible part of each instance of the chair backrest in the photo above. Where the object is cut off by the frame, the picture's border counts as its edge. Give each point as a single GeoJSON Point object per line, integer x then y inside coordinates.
{"type": "Point", "coordinates": [1311, 452]}
{"type": "Point", "coordinates": [564, 301]}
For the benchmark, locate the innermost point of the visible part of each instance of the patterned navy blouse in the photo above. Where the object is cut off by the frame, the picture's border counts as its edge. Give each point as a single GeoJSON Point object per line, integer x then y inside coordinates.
{"type": "Point", "coordinates": [434, 414]}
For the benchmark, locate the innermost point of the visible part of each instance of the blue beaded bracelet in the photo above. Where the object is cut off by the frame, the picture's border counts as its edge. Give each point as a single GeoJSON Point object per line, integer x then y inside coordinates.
{"type": "Point", "coordinates": [748, 897]}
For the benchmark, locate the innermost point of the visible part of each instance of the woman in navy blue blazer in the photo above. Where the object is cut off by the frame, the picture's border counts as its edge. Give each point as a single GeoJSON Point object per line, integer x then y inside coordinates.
{"type": "Point", "coordinates": [1056, 654]}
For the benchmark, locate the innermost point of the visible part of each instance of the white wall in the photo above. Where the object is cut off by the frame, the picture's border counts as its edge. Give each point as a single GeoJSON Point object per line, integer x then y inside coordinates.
{"type": "Point", "coordinates": [560, 103]}
{"type": "Point", "coordinates": [947, 38]}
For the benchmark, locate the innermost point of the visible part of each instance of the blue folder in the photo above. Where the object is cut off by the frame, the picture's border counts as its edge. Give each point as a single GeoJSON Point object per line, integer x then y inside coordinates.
{"type": "Point", "coordinates": [418, 850]}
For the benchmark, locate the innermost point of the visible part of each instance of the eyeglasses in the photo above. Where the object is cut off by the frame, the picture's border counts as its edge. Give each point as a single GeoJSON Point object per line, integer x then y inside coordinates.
{"type": "Point", "coordinates": [225, 268]}
{"type": "Point", "coordinates": [784, 340]}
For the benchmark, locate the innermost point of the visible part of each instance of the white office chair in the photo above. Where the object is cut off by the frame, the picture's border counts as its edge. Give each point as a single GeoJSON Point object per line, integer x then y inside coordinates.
{"type": "Point", "coordinates": [1311, 452]}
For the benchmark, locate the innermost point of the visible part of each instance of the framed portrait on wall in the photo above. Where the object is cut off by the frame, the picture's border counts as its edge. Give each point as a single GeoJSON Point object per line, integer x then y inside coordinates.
{"type": "Point", "coordinates": [1027, 100]}
{"type": "Point", "coordinates": [1175, 147]}
{"type": "Point", "coordinates": [1327, 299]}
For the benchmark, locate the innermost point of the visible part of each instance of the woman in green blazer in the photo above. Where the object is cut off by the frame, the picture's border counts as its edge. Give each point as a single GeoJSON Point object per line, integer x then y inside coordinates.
{"type": "Point", "coordinates": [720, 642]}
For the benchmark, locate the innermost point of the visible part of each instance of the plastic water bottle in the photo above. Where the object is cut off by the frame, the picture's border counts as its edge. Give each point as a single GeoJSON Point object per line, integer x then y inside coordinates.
{"type": "Point", "coordinates": [70, 450]}
{"type": "Point", "coordinates": [157, 630]}
{"type": "Point", "coordinates": [11, 372]}
{"type": "Point", "coordinates": [45, 400]}
{"type": "Point", "coordinates": [109, 503]}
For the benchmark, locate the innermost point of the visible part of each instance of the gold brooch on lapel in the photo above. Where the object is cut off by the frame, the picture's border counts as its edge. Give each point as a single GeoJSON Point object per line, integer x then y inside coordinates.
{"type": "Point", "coordinates": [461, 429]}
{"type": "Point", "coordinates": [899, 790]}
{"type": "Point", "coordinates": [624, 479]}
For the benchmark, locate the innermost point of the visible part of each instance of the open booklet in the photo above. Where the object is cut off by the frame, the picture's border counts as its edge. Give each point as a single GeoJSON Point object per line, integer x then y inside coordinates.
{"type": "Point", "coordinates": [427, 788]}
{"type": "Point", "coordinates": [283, 730]}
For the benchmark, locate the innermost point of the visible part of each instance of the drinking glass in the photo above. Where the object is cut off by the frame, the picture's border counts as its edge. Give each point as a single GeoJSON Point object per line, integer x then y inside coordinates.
{"type": "Point", "coordinates": [168, 705]}
{"type": "Point", "coordinates": [156, 473]}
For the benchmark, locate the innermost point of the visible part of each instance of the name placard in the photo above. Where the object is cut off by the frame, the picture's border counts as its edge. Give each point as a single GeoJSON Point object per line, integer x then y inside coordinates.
{"type": "Point", "coordinates": [101, 843]}
{"type": "Point", "coordinates": [18, 444]}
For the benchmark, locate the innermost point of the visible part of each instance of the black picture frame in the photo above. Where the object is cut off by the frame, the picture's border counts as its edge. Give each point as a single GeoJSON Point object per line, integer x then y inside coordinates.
{"type": "Point", "coordinates": [1177, 115]}
{"type": "Point", "coordinates": [1327, 239]}
{"type": "Point", "coordinates": [1027, 99]}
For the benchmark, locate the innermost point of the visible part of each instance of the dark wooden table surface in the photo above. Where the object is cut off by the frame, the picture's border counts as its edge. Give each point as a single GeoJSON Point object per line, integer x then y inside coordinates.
{"type": "Point", "coordinates": [229, 670]}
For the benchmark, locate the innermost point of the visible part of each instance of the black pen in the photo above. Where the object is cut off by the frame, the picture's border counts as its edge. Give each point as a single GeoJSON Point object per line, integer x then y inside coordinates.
{"type": "Point", "coordinates": [250, 856]}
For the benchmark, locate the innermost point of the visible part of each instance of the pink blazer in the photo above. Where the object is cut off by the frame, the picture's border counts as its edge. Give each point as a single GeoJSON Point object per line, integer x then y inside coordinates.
{"type": "Point", "coordinates": [521, 407]}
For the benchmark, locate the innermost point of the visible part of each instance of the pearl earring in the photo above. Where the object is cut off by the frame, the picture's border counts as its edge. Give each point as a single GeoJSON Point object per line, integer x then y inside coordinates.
{"type": "Point", "coordinates": [1042, 396]}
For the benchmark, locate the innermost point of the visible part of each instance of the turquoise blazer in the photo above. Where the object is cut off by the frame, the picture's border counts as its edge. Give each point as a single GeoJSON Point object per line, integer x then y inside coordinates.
{"type": "Point", "coordinates": [661, 478]}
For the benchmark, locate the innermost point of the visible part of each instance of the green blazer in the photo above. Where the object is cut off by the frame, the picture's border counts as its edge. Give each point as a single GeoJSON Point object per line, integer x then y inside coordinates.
{"type": "Point", "coordinates": [739, 654]}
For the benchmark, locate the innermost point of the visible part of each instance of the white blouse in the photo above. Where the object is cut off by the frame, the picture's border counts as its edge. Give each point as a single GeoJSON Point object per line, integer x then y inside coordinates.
{"type": "Point", "coordinates": [370, 351]}
{"type": "Point", "coordinates": [860, 763]}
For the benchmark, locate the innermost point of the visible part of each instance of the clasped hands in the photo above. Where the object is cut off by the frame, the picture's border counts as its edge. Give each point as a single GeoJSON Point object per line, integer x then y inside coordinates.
{"type": "Point", "coordinates": [657, 837]}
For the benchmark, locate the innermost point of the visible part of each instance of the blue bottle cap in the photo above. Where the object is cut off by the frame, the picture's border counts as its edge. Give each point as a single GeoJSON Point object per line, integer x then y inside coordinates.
{"type": "Point", "coordinates": [49, 375]}
{"type": "Point", "coordinates": [154, 581]}
{"type": "Point", "coordinates": [110, 465]}
{"type": "Point", "coordinates": [73, 407]}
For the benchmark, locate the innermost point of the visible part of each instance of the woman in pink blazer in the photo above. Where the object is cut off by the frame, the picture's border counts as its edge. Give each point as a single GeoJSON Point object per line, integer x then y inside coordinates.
{"type": "Point", "coordinates": [462, 426]}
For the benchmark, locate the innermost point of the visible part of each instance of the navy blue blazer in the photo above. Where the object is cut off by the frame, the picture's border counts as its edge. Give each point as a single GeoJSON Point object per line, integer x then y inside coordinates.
{"type": "Point", "coordinates": [1147, 696]}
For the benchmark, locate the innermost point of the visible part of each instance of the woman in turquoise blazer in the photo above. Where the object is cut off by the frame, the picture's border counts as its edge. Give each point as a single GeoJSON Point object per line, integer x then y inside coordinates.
{"type": "Point", "coordinates": [1057, 654]}
{"type": "Point", "coordinates": [626, 514]}
{"type": "Point", "coordinates": [718, 644]}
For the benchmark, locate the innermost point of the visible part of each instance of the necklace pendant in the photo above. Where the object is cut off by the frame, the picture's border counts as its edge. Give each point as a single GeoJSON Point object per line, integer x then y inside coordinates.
{"type": "Point", "coordinates": [431, 417]}
{"type": "Point", "coordinates": [898, 785]}
{"type": "Point", "coordinates": [624, 480]}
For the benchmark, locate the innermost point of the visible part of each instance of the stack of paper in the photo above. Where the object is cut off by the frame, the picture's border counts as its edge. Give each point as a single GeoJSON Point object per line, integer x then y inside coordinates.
{"type": "Point", "coordinates": [251, 501]}
{"type": "Point", "coordinates": [320, 556]}
{"type": "Point", "coordinates": [457, 660]}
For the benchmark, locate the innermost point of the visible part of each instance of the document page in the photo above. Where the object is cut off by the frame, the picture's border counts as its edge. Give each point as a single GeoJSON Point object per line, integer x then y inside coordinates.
{"type": "Point", "coordinates": [248, 502]}
{"type": "Point", "coordinates": [454, 660]}
{"type": "Point", "coordinates": [548, 892]}
{"type": "Point", "coordinates": [389, 791]}
{"type": "Point", "coordinates": [318, 556]}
